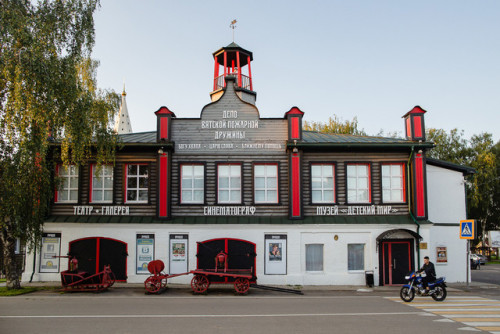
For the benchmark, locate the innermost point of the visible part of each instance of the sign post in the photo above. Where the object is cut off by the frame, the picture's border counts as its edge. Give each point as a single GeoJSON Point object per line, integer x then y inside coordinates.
{"type": "Point", "coordinates": [468, 231]}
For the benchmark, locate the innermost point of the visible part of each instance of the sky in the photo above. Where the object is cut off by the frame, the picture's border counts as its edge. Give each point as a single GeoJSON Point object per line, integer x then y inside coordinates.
{"type": "Point", "coordinates": [374, 60]}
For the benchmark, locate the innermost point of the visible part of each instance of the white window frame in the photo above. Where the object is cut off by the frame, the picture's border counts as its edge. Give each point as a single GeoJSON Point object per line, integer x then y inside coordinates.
{"type": "Point", "coordinates": [313, 270]}
{"type": "Point", "coordinates": [193, 189]}
{"type": "Point", "coordinates": [229, 188]}
{"type": "Point", "coordinates": [102, 175]}
{"type": "Point", "coordinates": [266, 187]}
{"type": "Point", "coordinates": [362, 258]}
{"type": "Point", "coordinates": [137, 189]}
{"type": "Point", "coordinates": [72, 182]}
{"type": "Point", "coordinates": [322, 178]}
{"type": "Point", "coordinates": [389, 178]}
{"type": "Point", "coordinates": [357, 177]}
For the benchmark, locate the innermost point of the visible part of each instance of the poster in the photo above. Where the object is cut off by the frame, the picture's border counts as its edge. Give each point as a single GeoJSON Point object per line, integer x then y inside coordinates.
{"type": "Point", "coordinates": [494, 237]}
{"type": "Point", "coordinates": [441, 255]}
{"type": "Point", "coordinates": [50, 252]}
{"type": "Point", "coordinates": [275, 254]}
{"type": "Point", "coordinates": [275, 251]}
{"type": "Point", "coordinates": [178, 256]}
{"type": "Point", "coordinates": [145, 252]}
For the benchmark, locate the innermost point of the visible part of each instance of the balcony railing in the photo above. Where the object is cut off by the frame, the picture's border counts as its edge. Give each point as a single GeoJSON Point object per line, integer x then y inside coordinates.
{"type": "Point", "coordinates": [220, 82]}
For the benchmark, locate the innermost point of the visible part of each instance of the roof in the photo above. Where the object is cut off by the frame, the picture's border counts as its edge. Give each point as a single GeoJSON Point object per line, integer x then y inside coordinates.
{"type": "Point", "coordinates": [240, 220]}
{"type": "Point", "coordinates": [138, 137]}
{"type": "Point", "coordinates": [318, 139]}
{"type": "Point", "coordinates": [465, 170]}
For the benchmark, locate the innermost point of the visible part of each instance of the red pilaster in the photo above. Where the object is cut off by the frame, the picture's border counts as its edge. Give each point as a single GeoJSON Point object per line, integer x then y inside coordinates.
{"type": "Point", "coordinates": [239, 67]}
{"type": "Point", "coordinates": [225, 68]}
{"type": "Point", "coordinates": [163, 186]}
{"type": "Point", "coordinates": [419, 187]}
{"type": "Point", "coordinates": [294, 116]}
{"type": "Point", "coordinates": [295, 186]}
{"type": "Point", "coordinates": [249, 72]}
{"type": "Point", "coordinates": [414, 124]}
{"type": "Point", "coordinates": [216, 73]}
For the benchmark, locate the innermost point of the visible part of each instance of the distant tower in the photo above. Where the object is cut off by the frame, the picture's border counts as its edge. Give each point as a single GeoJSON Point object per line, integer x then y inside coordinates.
{"type": "Point", "coordinates": [122, 122]}
{"type": "Point", "coordinates": [235, 61]}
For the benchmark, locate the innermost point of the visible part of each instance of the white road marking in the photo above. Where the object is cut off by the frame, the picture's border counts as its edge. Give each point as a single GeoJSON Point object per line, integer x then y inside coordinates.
{"type": "Point", "coordinates": [205, 315]}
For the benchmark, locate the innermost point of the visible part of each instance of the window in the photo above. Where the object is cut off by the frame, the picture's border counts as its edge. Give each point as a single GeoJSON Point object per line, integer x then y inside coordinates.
{"type": "Point", "coordinates": [322, 183]}
{"type": "Point", "coordinates": [101, 190]}
{"type": "Point", "coordinates": [358, 183]}
{"type": "Point", "coordinates": [68, 189]}
{"type": "Point", "coordinates": [192, 184]}
{"type": "Point", "coordinates": [229, 183]}
{"type": "Point", "coordinates": [266, 183]}
{"type": "Point", "coordinates": [393, 183]}
{"type": "Point", "coordinates": [314, 257]}
{"type": "Point", "coordinates": [356, 257]}
{"type": "Point", "coordinates": [137, 183]}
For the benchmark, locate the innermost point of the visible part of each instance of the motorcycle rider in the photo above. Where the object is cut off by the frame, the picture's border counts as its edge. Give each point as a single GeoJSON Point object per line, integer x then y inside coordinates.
{"type": "Point", "coordinates": [430, 273]}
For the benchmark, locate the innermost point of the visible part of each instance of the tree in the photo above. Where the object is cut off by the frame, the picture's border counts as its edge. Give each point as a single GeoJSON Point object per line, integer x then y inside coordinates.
{"type": "Point", "coordinates": [335, 125]}
{"type": "Point", "coordinates": [48, 94]}
{"type": "Point", "coordinates": [483, 189]}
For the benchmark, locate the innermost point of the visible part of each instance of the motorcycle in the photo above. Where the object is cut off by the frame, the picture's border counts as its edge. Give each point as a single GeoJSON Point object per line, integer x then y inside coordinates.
{"type": "Point", "coordinates": [437, 289]}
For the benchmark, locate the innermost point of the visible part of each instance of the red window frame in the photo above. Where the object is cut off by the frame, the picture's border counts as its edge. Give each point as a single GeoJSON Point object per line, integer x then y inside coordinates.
{"type": "Point", "coordinates": [331, 164]}
{"type": "Point", "coordinates": [266, 189]}
{"type": "Point", "coordinates": [368, 165]}
{"type": "Point", "coordinates": [91, 182]}
{"type": "Point", "coordinates": [57, 198]}
{"type": "Point", "coordinates": [403, 180]}
{"type": "Point", "coordinates": [180, 182]}
{"type": "Point", "coordinates": [125, 200]}
{"type": "Point", "coordinates": [241, 183]}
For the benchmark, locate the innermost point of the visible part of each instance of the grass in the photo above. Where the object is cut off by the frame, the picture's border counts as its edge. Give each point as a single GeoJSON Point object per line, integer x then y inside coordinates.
{"type": "Point", "coordinates": [4, 292]}
{"type": "Point", "coordinates": [3, 280]}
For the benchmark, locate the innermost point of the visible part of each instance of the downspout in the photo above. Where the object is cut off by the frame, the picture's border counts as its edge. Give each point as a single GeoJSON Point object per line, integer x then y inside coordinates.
{"type": "Point", "coordinates": [409, 206]}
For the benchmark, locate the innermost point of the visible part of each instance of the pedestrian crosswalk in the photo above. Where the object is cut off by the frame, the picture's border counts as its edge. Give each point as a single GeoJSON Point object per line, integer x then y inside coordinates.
{"type": "Point", "coordinates": [477, 313]}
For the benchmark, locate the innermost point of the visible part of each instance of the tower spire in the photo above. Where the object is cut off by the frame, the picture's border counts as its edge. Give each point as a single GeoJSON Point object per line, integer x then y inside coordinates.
{"type": "Point", "coordinates": [122, 121]}
{"type": "Point", "coordinates": [233, 26]}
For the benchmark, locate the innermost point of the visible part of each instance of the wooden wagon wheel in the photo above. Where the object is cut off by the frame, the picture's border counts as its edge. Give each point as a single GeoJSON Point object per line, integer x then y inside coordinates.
{"type": "Point", "coordinates": [241, 285]}
{"type": "Point", "coordinates": [152, 284]}
{"type": "Point", "coordinates": [199, 283]}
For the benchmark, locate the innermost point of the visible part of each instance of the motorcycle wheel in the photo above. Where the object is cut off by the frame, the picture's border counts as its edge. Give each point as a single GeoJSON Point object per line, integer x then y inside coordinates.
{"type": "Point", "coordinates": [440, 293]}
{"type": "Point", "coordinates": [407, 294]}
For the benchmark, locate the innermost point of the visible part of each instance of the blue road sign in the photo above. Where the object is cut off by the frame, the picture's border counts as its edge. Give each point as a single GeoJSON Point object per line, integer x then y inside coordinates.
{"type": "Point", "coordinates": [468, 229]}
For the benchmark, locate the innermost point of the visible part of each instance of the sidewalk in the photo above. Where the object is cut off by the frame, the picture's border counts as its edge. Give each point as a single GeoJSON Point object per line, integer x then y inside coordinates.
{"type": "Point", "coordinates": [354, 288]}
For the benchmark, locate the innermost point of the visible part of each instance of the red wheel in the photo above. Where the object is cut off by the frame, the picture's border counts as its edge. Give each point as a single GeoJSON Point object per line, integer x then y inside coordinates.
{"type": "Point", "coordinates": [241, 285]}
{"type": "Point", "coordinates": [199, 283]}
{"type": "Point", "coordinates": [152, 284]}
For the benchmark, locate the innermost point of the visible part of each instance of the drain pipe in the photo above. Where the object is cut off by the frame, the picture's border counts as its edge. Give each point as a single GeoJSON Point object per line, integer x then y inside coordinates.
{"type": "Point", "coordinates": [409, 206]}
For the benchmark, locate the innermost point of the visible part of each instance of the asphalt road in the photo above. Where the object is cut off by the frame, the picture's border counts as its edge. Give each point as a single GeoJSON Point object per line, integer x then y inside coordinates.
{"type": "Point", "coordinates": [489, 273]}
{"type": "Point", "coordinates": [129, 310]}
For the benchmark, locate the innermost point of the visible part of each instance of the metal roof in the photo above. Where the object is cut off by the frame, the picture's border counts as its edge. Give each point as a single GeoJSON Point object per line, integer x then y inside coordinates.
{"type": "Point", "coordinates": [139, 137]}
{"type": "Point", "coordinates": [319, 137]}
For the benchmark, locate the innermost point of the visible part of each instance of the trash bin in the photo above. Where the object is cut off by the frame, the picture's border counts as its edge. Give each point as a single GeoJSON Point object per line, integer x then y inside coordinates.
{"type": "Point", "coordinates": [369, 278]}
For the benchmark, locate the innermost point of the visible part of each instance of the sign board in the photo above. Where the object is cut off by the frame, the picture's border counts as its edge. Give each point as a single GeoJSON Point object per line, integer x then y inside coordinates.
{"type": "Point", "coordinates": [468, 229]}
{"type": "Point", "coordinates": [178, 258]}
{"type": "Point", "coordinates": [50, 251]}
{"type": "Point", "coordinates": [275, 254]}
{"type": "Point", "coordinates": [145, 252]}
{"type": "Point", "coordinates": [494, 237]}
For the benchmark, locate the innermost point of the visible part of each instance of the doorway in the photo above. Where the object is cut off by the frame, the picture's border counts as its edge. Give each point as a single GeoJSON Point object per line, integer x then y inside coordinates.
{"type": "Point", "coordinates": [396, 260]}
{"type": "Point", "coordinates": [96, 252]}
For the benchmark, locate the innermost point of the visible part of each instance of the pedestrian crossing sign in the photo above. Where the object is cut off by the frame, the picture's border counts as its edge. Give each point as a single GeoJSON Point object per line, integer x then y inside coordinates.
{"type": "Point", "coordinates": [468, 229]}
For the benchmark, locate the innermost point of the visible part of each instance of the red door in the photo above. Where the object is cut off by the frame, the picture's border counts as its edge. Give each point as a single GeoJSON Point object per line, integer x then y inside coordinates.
{"type": "Point", "coordinates": [397, 261]}
{"type": "Point", "coordinates": [96, 252]}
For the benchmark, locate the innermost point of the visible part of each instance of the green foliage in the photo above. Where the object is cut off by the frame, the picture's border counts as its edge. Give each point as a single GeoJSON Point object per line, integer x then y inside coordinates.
{"type": "Point", "coordinates": [48, 93]}
{"type": "Point", "coordinates": [335, 125]}
{"type": "Point", "coordinates": [483, 189]}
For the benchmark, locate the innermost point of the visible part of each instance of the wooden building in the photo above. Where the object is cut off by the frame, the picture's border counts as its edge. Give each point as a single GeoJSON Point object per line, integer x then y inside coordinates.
{"type": "Point", "coordinates": [319, 209]}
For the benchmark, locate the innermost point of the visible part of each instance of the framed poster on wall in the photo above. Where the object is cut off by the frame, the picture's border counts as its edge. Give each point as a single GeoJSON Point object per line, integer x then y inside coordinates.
{"type": "Point", "coordinates": [275, 254]}
{"type": "Point", "coordinates": [178, 257]}
{"type": "Point", "coordinates": [441, 255]}
{"type": "Point", "coordinates": [50, 252]}
{"type": "Point", "coordinates": [145, 252]}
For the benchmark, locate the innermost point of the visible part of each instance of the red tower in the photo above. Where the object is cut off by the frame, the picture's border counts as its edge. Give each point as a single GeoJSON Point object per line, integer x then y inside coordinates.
{"type": "Point", "coordinates": [232, 60]}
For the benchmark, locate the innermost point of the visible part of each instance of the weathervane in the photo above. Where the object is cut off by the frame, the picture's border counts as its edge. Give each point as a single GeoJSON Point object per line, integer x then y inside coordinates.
{"type": "Point", "coordinates": [233, 26]}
